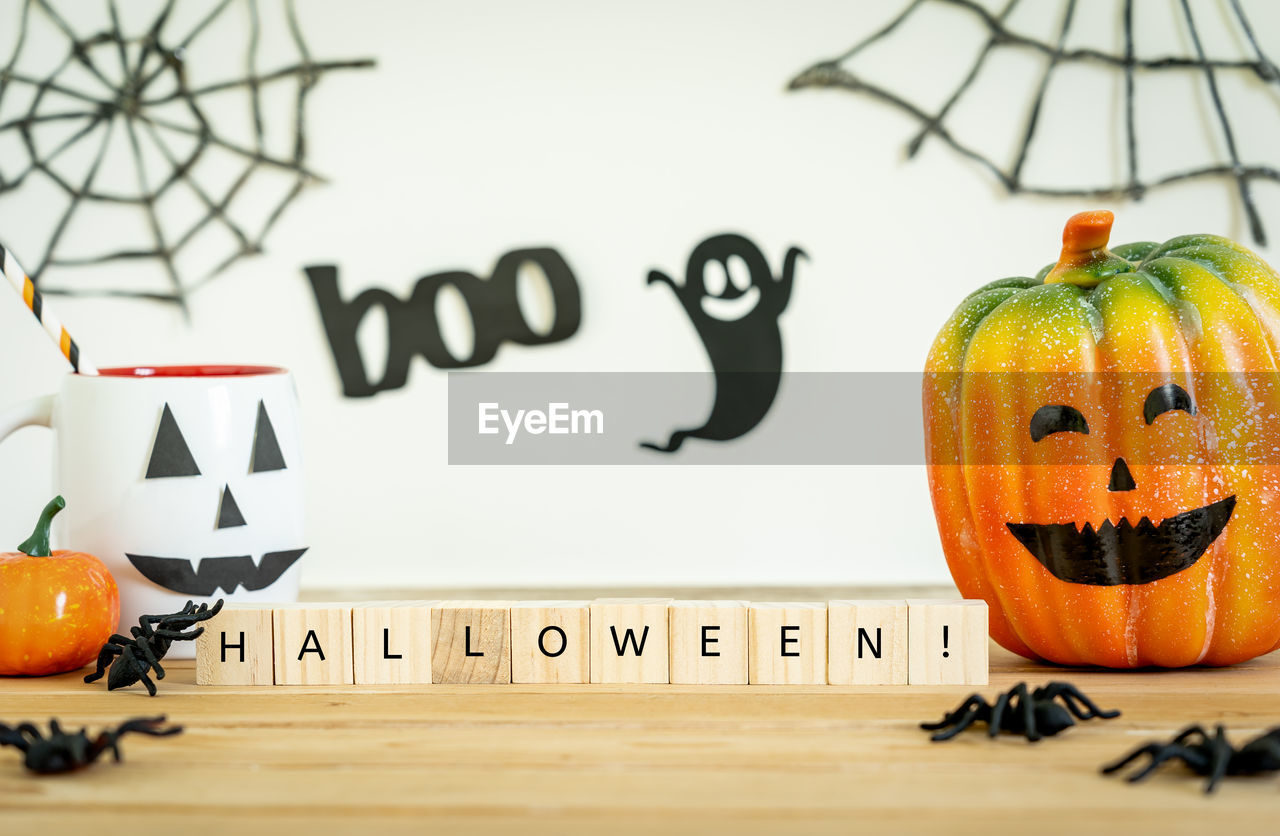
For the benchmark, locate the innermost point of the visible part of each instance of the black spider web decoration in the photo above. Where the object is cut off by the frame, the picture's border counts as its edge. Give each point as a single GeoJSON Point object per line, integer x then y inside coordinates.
{"type": "Point", "coordinates": [835, 73]}
{"type": "Point", "coordinates": [150, 74]}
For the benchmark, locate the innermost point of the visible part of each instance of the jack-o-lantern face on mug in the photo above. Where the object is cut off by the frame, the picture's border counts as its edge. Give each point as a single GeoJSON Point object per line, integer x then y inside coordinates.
{"type": "Point", "coordinates": [1102, 445]}
{"type": "Point", "coordinates": [171, 458]}
{"type": "Point", "coordinates": [186, 481]}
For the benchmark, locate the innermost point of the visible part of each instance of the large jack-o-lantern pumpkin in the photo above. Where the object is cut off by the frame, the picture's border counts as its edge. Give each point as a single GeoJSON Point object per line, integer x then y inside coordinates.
{"type": "Point", "coordinates": [1102, 445]}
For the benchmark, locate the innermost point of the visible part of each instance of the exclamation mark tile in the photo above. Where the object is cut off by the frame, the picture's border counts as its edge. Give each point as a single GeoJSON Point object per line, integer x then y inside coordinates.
{"type": "Point", "coordinates": [947, 642]}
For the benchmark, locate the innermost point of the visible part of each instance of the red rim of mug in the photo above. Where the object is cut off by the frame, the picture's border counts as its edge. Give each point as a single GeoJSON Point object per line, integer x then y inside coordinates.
{"type": "Point", "coordinates": [202, 370]}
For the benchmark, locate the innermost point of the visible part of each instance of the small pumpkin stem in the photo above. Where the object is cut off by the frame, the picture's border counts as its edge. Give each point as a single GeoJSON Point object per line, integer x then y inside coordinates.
{"type": "Point", "coordinates": [1085, 259]}
{"type": "Point", "coordinates": [37, 545]}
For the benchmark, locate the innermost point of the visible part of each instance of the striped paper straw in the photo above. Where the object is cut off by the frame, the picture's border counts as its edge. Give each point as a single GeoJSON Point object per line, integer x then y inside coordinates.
{"type": "Point", "coordinates": [52, 325]}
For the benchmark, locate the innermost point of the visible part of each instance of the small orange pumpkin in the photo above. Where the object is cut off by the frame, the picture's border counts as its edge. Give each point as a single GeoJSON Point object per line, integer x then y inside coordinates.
{"type": "Point", "coordinates": [57, 608]}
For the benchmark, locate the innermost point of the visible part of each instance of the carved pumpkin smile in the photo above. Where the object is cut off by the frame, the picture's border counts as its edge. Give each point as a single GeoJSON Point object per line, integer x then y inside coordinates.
{"type": "Point", "coordinates": [1112, 554]}
{"type": "Point", "coordinates": [213, 573]}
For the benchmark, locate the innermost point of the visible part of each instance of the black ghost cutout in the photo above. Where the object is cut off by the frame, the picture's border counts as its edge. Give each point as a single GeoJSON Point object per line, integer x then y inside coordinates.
{"type": "Point", "coordinates": [170, 455]}
{"type": "Point", "coordinates": [745, 350]}
{"type": "Point", "coordinates": [229, 515]}
{"type": "Point", "coordinates": [1121, 554]}
{"type": "Point", "coordinates": [266, 450]}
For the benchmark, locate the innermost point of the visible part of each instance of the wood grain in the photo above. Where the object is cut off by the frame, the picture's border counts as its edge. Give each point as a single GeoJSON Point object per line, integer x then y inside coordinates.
{"type": "Point", "coordinates": [237, 647]}
{"type": "Point", "coordinates": [391, 642]}
{"type": "Point", "coordinates": [629, 640]}
{"type": "Point", "coordinates": [787, 643]}
{"type": "Point", "coordinates": [947, 642]}
{"type": "Point", "coordinates": [708, 642]}
{"type": "Point", "coordinates": [470, 642]}
{"type": "Point", "coordinates": [550, 641]}
{"type": "Point", "coordinates": [632, 759]}
{"type": "Point", "coordinates": [867, 642]}
{"type": "Point", "coordinates": [312, 645]}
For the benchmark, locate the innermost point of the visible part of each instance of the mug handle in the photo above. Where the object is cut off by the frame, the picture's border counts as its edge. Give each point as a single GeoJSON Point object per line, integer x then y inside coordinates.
{"type": "Point", "coordinates": [35, 412]}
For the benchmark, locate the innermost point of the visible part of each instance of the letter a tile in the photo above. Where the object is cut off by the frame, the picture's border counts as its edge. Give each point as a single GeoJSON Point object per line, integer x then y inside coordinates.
{"type": "Point", "coordinates": [313, 645]}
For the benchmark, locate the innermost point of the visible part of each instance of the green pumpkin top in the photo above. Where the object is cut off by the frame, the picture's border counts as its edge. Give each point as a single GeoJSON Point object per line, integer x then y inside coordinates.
{"type": "Point", "coordinates": [1096, 295]}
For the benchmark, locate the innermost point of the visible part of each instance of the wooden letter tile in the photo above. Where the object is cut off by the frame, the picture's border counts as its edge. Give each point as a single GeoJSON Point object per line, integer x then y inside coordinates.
{"type": "Point", "coordinates": [867, 642]}
{"type": "Point", "coordinates": [629, 640]}
{"type": "Point", "coordinates": [471, 642]}
{"type": "Point", "coordinates": [313, 644]}
{"type": "Point", "coordinates": [788, 644]}
{"type": "Point", "coordinates": [708, 642]}
{"type": "Point", "coordinates": [551, 641]}
{"type": "Point", "coordinates": [236, 647]}
{"type": "Point", "coordinates": [392, 642]}
{"type": "Point", "coordinates": [947, 642]}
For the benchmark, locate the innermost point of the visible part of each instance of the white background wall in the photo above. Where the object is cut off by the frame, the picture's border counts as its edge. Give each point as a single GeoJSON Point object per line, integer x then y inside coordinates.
{"type": "Point", "coordinates": [623, 135]}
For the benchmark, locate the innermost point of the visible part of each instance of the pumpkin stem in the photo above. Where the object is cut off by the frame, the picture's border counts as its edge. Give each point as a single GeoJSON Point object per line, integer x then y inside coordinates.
{"type": "Point", "coordinates": [37, 545]}
{"type": "Point", "coordinates": [1085, 259]}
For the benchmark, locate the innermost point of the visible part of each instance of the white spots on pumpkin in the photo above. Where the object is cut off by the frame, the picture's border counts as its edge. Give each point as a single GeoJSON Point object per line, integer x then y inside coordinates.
{"type": "Point", "coordinates": [1131, 631]}
{"type": "Point", "coordinates": [1209, 605]}
{"type": "Point", "coordinates": [1094, 318]}
{"type": "Point", "coordinates": [60, 603]}
{"type": "Point", "coordinates": [1189, 319]}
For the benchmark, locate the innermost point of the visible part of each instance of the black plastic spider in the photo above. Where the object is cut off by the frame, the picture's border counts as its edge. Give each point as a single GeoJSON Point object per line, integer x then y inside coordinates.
{"type": "Point", "coordinates": [67, 751]}
{"type": "Point", "coordinates": [1034, 715]}
{"type": "Point", "coordinates": [149, 644]}
{"type": "Point", "coordinates": [1205, 755]}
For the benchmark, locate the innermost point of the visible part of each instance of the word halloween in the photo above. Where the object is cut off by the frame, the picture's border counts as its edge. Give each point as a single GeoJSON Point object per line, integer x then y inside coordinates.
{"type": "Point", "coordinates": [413, 326]}
{"type": "Point", "coordinates": [608, 640]}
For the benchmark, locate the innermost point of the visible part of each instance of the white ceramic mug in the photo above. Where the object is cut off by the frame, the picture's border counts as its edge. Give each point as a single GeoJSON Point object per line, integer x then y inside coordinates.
{"type": "Point", "coordinates": [185, 480]}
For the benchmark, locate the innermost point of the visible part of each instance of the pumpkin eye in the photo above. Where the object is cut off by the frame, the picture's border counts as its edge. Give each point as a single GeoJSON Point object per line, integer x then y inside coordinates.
{"type": "Point", "coordinates": [1057, 418]}
{"type": "Point", "coordinates": [1164, 399]}
{"type": "Point", "coordinates": [170, 455]}
{"type": "Point", "coordinates": [266, 450]}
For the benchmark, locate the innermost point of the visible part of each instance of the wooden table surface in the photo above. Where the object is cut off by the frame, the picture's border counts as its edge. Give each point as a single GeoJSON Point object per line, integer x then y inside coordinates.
{"type": "Point", "coordinates": [632, 759]}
